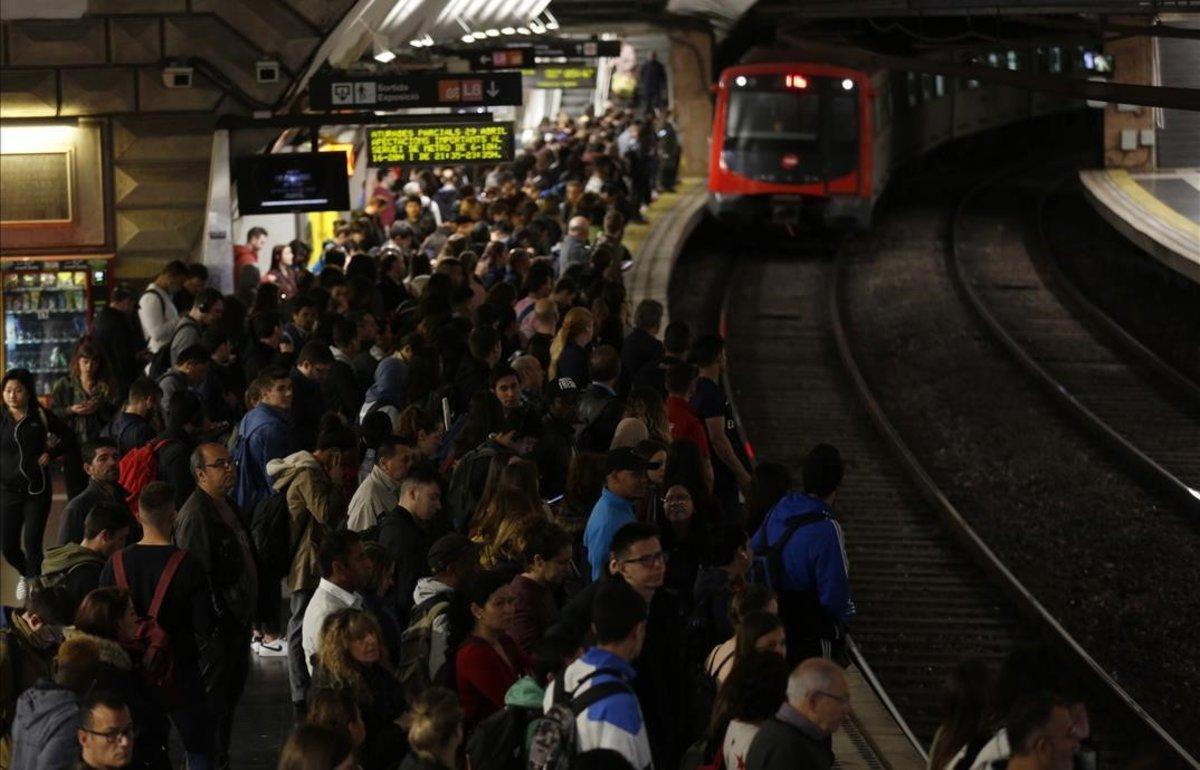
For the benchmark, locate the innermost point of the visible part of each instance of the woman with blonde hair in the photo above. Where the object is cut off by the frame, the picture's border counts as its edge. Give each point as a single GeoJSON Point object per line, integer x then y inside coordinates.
{"type": "Point", "coordinates": [503, 551]}
{"type": "Point", "coordinates": [505, 504]}
{"type": "Point", "coordinates": [435, 731]}
{"type": "Point", "coordinates": [350, 655]}
{"type": "Point", "coordinates": [568, 351]}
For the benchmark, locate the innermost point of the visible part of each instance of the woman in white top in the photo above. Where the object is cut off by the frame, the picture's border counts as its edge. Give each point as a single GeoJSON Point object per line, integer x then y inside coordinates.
{"type": "Point", "coordinates": [751, 695]}
{"type": "Point", "coordinates": [753, 598]}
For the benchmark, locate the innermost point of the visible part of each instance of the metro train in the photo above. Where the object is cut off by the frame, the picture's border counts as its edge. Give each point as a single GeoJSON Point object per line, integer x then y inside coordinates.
{"type": "Point", "coordinates": [794, 138]}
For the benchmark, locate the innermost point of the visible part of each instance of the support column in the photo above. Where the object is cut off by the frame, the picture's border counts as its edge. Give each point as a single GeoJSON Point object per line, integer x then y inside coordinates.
{"type": "Point", "coordinates": [690, 70]}
{"type": "Point", "coordinates": [1129, 129]}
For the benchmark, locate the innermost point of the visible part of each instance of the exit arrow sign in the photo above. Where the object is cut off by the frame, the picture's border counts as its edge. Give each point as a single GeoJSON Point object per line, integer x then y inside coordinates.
{"type": "Point", "coordinates": [510, 58]}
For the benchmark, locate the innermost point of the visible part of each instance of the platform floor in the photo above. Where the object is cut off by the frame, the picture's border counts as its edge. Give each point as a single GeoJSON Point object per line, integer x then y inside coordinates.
{"type": "Point", "coordinates": [1159, 211]}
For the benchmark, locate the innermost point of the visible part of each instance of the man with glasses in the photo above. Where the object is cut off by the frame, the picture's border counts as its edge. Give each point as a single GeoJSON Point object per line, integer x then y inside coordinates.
{"type": "Point", "coordinates": [624, 484]}
{"type": "Point", "coordinates": [210, 528]}
{"type": "Point", "coordinates": [107, 733]}
{"type": "Point", "coordinates": [799, 735]}
{"type": "Point", "coordinates": [1042, 734]}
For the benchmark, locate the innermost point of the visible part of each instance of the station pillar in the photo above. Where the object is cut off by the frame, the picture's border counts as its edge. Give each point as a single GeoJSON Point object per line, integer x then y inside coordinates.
{"type": "Point", "coordinates": [690, 72]}
{"type": "Point", "coordinates": [1129, 129]}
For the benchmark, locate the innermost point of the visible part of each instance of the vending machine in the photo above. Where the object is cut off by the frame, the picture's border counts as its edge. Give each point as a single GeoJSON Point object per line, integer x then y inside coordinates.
{"type": "Point", "coordinates": [48, 305]}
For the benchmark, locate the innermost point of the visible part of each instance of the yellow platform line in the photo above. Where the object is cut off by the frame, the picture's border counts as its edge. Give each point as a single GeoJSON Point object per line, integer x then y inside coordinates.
{"type": "Point", "coordinates": [1142, 197]}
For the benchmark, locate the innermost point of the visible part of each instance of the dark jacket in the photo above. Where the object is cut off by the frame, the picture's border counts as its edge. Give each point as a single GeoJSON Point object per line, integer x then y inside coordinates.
{"type": "Point", "coordinates": [174, 464]}
{"type": "Point", "coordinates": [341, 390]}
{"type": "Point", "coordinates": [120, 341]}
{"type": "Point", "coordinates": [573, 363]}
{"type": "Point", "coordinates": [68, 391]}
{"type": "Point", "coordinates": [264, 434]}
{"type": "Point", "coordinates": [43, 731]}
{"type": "Point", "coordinates": [554, 451]}
{"type": "Point", "coordinates": [308, 405]}
{"type": "Point", "coordinates": [130, 431]}
{"type": "Point", "coordinates": [661, 683]}
{"type": "Point", "coordinates": [257, 356]}
{"type": "Point", "coordinates": [78, 507]}
{"type": "Point", "coordinates": [783, 744]}
{"type": "Point", "coordinates": [220, 550]}
{"type": "Point", "coordinates": [599, 412]}
{"type": "Point", "coordinates": [641, 349]}
{"type": "Point", "coordinates": [23, 660]}
{"type": "Point", "coordinates": [381, 704]}
{"type": "Point", "coordinates": [21, 443]}
{"type": "Point", "coordinates": [409, 541]}
{"type": "Point", "coordinates": [472, 376]}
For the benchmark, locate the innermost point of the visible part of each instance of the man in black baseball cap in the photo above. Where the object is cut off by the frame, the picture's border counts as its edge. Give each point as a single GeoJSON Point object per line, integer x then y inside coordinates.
{"type": "Point", "coordinates": [624, 484]}
{"type": "Point", "coordinates": [453, 559]}
{"type": "Point", "coordinates": [556, 447]}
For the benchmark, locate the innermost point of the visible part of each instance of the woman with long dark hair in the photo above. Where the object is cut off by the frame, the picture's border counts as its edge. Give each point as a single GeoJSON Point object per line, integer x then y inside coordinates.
{"type": "Point", "coordinates": [488, 661]}
{"type": "Point", "coordinates": [29, 437]}
{"type": "Point", "coordinates": [283, 272]}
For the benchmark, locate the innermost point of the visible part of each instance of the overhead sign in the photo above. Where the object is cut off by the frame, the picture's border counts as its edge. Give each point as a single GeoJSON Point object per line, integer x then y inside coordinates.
{"type": "Point", "coordinates": [391, 92]}
{"type": "Point", "coordinates": [511, 58]}
{"type": "Point", "coordinates": [572, 75]}
{"type": "Point", "coordinates": [447, 143]}
{"type": "Point", "coordinates": [579, 49]}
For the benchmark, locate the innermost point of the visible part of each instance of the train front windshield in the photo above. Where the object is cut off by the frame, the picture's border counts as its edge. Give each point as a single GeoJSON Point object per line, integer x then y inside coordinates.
{"type": "Point", "coordinates": [791, 128]}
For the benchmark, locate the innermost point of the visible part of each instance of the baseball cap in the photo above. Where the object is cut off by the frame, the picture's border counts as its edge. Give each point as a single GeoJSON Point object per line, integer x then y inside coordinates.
{"type": "Point", "coordinates": [561, 387]}
{"type": "Point", "coordinates": [448, 549]}
{"type": "Point", "coordinates": [626, 459]}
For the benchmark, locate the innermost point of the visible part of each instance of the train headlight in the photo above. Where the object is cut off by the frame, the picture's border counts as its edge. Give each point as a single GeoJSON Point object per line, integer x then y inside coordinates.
{"type": "Point", "coordinates": [847, 84]}
{"type": "Point", "coordinates": [740, 80]}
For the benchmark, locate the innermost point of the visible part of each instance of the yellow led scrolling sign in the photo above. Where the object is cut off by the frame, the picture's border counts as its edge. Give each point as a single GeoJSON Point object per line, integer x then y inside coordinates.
{"type": "Point", "coordinates": [460, 143]}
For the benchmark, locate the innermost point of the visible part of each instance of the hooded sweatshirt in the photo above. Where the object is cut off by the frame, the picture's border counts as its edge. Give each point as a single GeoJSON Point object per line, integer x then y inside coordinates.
{"type": "Point", "coordinates": [81, 566]}
{"type": "Point", "coordinates": [44, 728]}
{"type": "Point", "coordinates": [316, 506]}
{"type": "Point", "coordinates": [388, 386]}
{"type": "Point", "coordinates": [427, 588]}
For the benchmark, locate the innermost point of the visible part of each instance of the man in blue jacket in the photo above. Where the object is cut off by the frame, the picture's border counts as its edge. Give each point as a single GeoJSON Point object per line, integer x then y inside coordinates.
{"type": "Point", "coordinates": [264, 434]}
{"type": "Point", "coordinates": [624, 485]}
{"type": "Point", "coordinates": [800, 553]}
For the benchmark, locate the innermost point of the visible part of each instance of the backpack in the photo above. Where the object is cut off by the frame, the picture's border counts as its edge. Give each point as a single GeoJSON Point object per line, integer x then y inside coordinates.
{"type": "Point", "coordinates": [416, 645]}
{"type": "Point", "coordinates": [157, 658]}
{"type": "Point", "coordinates": [767, 567]}
{"type": "Point", "coordinates": [162, 359]}
{"type": "Point", "coordinates": [271, 531]}
{"type": "Point", "coordinates": [555, 737]}
{"type": "Point", "coordinates": [138, 468]}
{"type": "Point", "coordinates": [462, 497]}
{"type": "Point", "coordinates": [498, 742]}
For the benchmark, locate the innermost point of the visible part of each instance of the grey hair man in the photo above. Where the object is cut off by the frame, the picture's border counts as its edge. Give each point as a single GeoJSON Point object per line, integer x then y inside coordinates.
{"type": "Point", "coordinates": [797, 738]}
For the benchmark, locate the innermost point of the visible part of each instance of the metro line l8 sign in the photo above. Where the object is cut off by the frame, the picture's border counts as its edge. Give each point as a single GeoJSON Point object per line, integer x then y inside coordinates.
{"type": "Point", "coordinates": [458, 143]}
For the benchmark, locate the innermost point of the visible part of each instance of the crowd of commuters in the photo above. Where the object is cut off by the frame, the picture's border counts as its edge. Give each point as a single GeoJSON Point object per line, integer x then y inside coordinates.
{"type": "Point", "coordinates": [506, 509]}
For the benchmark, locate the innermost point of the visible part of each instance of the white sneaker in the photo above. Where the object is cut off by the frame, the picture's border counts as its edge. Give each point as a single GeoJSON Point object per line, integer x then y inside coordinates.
{"type": "Point", "coordinates": [22, 590]}
{"type": "Point", "coordinates": [275, 649]}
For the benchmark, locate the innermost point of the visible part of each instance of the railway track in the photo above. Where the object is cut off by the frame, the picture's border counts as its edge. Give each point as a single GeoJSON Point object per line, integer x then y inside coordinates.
{"type": "Point", "coordinates": [1120, 391]}
{"type": "Point", "coordinates": [929, 591]}
{"type": "Point", "coordinates": [922, 605]}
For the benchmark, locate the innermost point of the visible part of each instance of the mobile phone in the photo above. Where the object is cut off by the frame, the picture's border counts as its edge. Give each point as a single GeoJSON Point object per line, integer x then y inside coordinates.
{"type": "Point", "coordinates": [554, 500]}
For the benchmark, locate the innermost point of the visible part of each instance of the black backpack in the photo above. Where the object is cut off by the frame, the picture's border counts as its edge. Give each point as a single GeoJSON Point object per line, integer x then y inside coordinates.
{"type": "Point", "coordinates": [555, 736]}
{"type": "Point", "coordinates": [162, 359]}
{"type": "Point", "coordinates": [498, 742]}
{"type": "Point", "coordinates": [270, 529]}
{"type": "Point", "coordinates": [767, 567]}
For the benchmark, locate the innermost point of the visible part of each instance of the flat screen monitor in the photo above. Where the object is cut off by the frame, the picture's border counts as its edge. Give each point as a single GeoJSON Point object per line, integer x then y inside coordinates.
{"type": "Point", "coordinates": [274, 184]}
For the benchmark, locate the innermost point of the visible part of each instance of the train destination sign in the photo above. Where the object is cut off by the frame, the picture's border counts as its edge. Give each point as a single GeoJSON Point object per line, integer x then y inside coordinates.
{"type": "Point", "coordinates": [571, 75]}
{"type": "Point", "coordinates": [447, 143]}
{"type": "Point", "coordinates": [511, 58]}
{"type": "Point", "coordinates": [579, 49]}
{"type": "Point", "coordinates": [393, 92]}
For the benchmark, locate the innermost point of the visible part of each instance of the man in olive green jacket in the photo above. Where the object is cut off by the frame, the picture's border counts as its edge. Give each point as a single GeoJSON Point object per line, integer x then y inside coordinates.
{"type": "Point", "coordinates": [316, 505]}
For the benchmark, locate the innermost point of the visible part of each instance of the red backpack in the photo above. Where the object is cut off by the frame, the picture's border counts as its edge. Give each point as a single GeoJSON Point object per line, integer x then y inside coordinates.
{"type": "Point", "coordinates": [138, 468]}
{"type": "Point", "coordinates": [151, 639]}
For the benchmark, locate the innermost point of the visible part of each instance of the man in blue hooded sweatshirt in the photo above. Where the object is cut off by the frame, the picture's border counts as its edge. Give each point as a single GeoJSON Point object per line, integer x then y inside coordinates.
{"type": "Point", "coordinates": [800, 553]}
{"type": "Point", "coordinates": [264, 434]}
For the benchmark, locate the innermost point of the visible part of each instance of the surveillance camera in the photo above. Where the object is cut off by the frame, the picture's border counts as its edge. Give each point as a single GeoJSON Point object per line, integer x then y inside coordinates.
{"type": "Point", "coordinates": [177, 77]}
{"type": "Point", "coordinates": [266, 71]}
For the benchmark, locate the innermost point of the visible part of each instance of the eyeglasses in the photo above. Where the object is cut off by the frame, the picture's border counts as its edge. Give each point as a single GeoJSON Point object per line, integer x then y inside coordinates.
{"type": "Point", "coordinates": [677, 500]}
{"type": "Point", "coordinates": [842, 699]}
{"type": "Point", "coordinates": [648, 560]}
{"type": "Point", "coordinates": [224, 463]}
{"type": "Point", "coordinates": [129, 732]}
